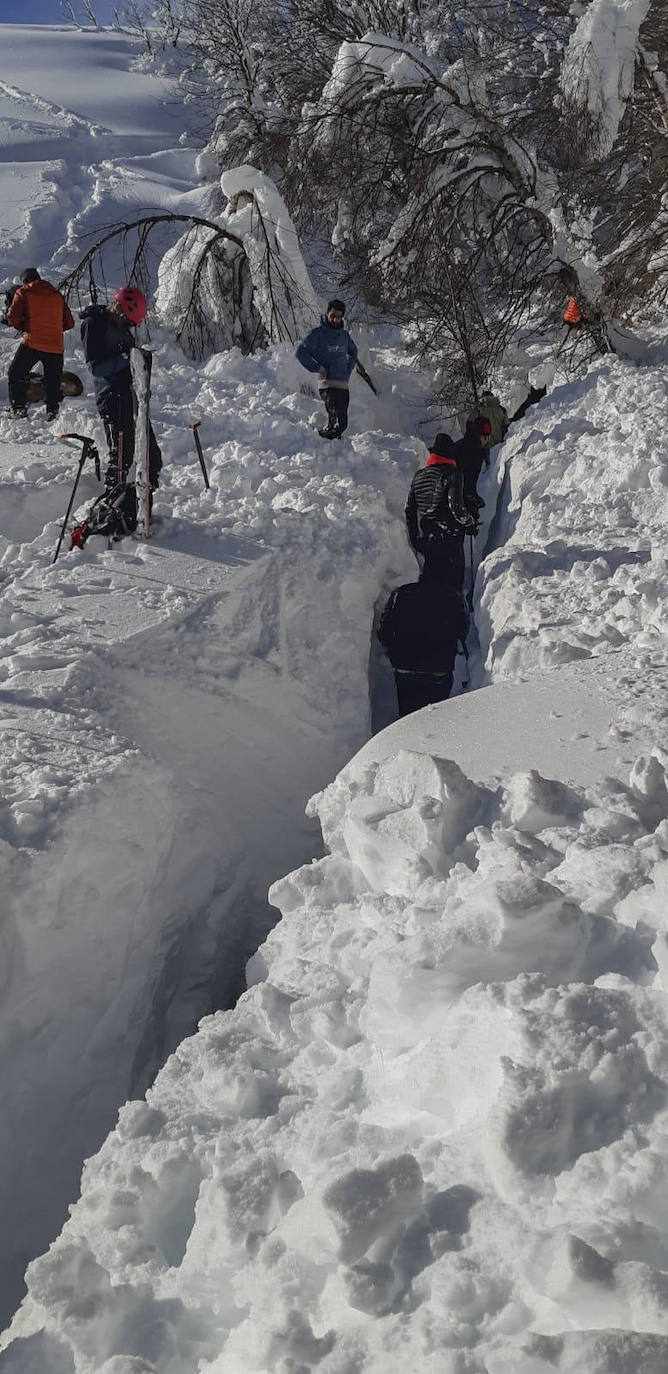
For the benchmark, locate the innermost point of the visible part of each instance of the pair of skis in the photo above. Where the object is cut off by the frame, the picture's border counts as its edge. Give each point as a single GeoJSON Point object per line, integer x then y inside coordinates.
{"type": "Point", "coordinates": [140, 369]}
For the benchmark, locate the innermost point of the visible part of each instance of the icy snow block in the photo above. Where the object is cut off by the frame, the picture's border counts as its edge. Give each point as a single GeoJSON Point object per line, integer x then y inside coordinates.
{"type": "Point", "coordinates": [40, 1352]}
{"type": "Point", "coordinates": [366, 1204]}
{"type": "Point", "coordinates": [585, 1352]}
{"type": "Point", "coordinates": [534, 802]}
{"type": "Point", "coordinates": [408, 820]}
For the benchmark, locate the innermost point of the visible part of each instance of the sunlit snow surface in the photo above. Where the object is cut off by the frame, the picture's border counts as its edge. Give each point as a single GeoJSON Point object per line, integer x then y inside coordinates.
{"type": "Point", "coordinates": [433, 1134]}
{"type": "Point", "coordinates": [168, 707]}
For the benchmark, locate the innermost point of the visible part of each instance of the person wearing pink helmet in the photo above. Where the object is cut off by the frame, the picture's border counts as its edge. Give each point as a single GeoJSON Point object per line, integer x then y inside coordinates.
{"type": "Point", "coordinates": [107, 337]}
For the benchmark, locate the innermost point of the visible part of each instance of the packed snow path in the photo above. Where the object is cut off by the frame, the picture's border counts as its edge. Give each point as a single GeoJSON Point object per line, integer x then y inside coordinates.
{"type": "Point", "coordinates": [432, 1134]}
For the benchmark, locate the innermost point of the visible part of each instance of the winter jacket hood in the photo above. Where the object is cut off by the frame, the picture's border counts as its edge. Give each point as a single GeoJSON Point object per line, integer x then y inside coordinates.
{"type": "Point", "coordinates": [439, 459]}
{"type": "Point", "coordinates": [43, 314]}
{"type": "Point", "coordinates": [328, 347]}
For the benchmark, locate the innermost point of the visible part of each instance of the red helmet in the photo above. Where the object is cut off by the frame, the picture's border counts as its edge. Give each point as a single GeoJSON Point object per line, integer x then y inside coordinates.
{"type": "Point", "coordinates": [133, 303]}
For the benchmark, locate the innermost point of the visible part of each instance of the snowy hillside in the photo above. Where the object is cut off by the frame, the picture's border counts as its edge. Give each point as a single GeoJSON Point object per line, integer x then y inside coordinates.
{"type": "Point", "coordinates": [168, 708]}
{"type": "Point", "coordinates": [431, 1135]}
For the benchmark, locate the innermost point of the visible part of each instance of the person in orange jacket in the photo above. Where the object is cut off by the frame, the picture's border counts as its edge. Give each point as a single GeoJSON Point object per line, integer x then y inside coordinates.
{"type": "Point", "coordinates": [40, 310]}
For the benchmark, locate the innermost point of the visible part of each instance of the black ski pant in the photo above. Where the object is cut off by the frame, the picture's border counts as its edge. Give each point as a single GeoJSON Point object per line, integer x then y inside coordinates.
{"type": "Point", "coordinates": [443, 560]}
{"type": "Point", "coordinates": [116, 408]}
{"type": "Point", "coordinates": [415, 690]}
{"type": "Point", "coordinates": [336, 400]}
{"type": "Point", "coordinates": [24, 359]}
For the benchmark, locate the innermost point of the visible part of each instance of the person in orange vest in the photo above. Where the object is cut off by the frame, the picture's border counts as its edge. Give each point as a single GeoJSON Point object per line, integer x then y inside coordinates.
{"type": "Point", "coordinates": [572, 314]}
{"type": "Point", "coordinates": [40, 310]}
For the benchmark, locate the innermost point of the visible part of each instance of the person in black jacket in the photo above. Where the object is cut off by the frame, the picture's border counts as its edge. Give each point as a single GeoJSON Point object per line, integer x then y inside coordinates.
{"type": "Point", "coordinates": [536, 394]}
{"type": "Point", "coordinates": [436, 517]}
{"type": "Point", "coordinates": [471, 452]}
{"type": "Point", "coordinates": [419, 629]}
{"type": "Point", "coordinates": [107, 337]}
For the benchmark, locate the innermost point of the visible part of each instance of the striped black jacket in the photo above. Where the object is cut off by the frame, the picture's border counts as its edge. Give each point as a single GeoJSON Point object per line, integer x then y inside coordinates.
{"type": "Point", "coordinates": [435, 507]}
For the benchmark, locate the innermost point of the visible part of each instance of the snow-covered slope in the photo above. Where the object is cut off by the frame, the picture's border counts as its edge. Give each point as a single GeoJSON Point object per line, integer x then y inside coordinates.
{"type": "Point", "coordinates": [169, 707]}
{"type": "Point", "coordinates": [432, 1134]}
{"type": "Point", "coordinates": [87, 139]}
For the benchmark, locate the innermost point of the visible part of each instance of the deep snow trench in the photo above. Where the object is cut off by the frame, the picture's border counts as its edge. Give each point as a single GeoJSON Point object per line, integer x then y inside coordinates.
{"type": "Point", "coordinates": [167, 709]}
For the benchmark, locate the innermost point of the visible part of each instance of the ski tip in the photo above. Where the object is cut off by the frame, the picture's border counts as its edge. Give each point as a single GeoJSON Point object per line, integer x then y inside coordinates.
{"type": "Point", "coordinates": [195, 425]}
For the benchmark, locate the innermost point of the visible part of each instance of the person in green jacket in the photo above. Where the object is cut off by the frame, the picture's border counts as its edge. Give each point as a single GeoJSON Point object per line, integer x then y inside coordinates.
{"type": "Point", "coordinates": [490, 406]}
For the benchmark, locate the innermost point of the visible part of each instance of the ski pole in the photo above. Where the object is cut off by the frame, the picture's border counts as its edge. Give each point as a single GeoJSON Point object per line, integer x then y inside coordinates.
{"type": "Point", "coordinates": [470, 598]}
{"type": "Point", "coordinates": [463, 650]}
{"type": "Point", "coordinates": [365, 377]}
{"type": "Point", "coordinates": [88, 449]}
{"type": "Point", "coordinates": [200, 455]}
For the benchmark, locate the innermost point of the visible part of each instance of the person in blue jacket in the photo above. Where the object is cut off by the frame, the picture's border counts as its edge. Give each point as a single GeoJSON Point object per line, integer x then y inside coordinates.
{"type": "Point", "coordinates": [330, 351]}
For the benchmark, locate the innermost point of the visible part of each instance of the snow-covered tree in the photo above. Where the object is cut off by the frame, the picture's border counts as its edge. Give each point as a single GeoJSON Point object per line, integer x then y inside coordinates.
{"type": "Point", "coordinates": [473, 162]}
{"type": "Point", "coordinates": [247, 289]}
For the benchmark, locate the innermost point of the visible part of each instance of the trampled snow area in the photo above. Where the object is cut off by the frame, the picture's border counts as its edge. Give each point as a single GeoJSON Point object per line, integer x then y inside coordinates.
{"type": "Point", "coordinates": [433, 1133]}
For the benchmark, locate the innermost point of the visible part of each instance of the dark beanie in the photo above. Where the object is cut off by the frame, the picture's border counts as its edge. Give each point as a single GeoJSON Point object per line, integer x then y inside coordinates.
{"type": "Point", "coordinates": [442, 446]}
{"type": "Point", "coordinates": [30, 274]}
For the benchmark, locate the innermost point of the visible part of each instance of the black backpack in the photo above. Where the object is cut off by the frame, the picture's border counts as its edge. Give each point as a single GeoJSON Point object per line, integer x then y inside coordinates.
{"type": "Point", "coordinates": [438, 522]}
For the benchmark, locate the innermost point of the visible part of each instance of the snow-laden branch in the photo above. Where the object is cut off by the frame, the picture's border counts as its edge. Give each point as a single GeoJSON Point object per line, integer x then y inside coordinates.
{"type": "Point", "coordinates": [246, 285]}
{"type": "Point", "coordinates": [468, 146]}
{"type": "Point", "coordinates": [598, 72]}
{"type": "Point", "coordinates": [283, 293]}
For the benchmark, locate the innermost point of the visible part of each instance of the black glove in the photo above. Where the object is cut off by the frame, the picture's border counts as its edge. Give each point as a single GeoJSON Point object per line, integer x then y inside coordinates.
{"type": "Point", "coordinates": [474, 504]}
